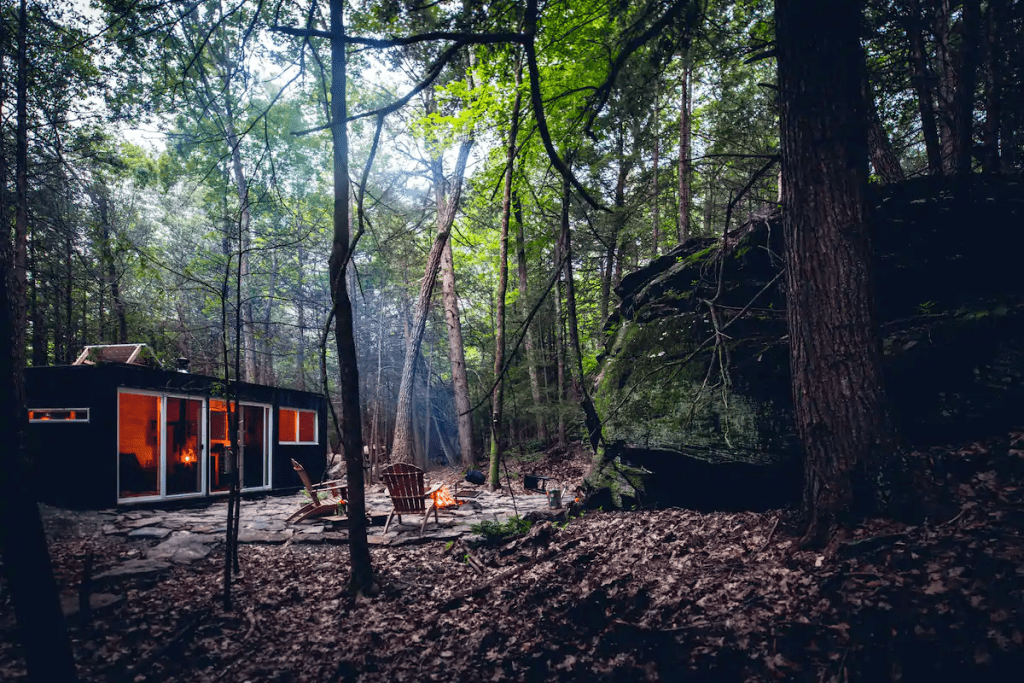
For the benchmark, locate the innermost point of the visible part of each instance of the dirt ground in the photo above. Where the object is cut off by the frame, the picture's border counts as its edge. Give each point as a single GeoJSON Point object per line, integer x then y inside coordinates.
{"type": "Point", "coordinates": [614, 596]}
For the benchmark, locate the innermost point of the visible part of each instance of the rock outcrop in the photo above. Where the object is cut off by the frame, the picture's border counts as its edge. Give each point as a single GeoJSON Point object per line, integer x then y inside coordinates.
{"type": "Point", "coordinates": [694, 386]}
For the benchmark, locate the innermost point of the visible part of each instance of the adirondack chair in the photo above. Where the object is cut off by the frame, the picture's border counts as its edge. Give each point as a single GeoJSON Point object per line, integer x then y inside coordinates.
{"type": "Point", "coordinates": [408, 495]}
{"type": "Point", "coordinates": [317, 507]}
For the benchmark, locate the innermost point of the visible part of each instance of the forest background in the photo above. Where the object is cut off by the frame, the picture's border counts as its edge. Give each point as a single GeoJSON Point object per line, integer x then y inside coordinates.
{"type": "Point", "coordinates": [526, 155]}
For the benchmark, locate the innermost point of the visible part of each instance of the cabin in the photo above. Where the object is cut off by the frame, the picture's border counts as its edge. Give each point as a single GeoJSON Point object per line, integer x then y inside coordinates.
{"type": "Point", "coordinates": [116, 429]}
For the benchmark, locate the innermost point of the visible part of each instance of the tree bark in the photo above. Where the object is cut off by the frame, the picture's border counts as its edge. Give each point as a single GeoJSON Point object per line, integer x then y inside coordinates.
{"type": "Point", "coordinates": [498, 395]}
{"type": "Point", "coordinates": [559, 343]}
{"type": "Point", "coordinates": [921, 79]}
{"type": "Point", "coordinates": [528, 342]}
{"type": "Point", "coordinates": [656, 205]}
{"type": "Point", "coordinates": [835, 349]}
{"type": "Point", "coordinates": [361, 580]}
{"type": "Point", "coordinates": [402, 446]}
{"type": "Point", "coordinates": [20, 275]}
{"type": "Point", "coordinates": [993, 87]}
{"type": "Point", "coordinates": [26, 559]}
{"type": "Point", "coordinates": [685, 191]}
{"type": "Point", "coordinates": [970, 34]}
{"type": "Point", "coordinates": [590, 418]}
{"type": "Point", "coordinates": [456, 350]}
{"type": "Point", "coordinates": [110, 276]}
{"type": "Point", "coordinates": [883, 159]}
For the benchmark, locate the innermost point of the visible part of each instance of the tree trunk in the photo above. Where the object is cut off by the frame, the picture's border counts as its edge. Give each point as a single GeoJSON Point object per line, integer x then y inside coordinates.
{"type": "Point", "coordinates": [20, 275]}
{"type": "Point", "coordinates": [39, 301]}
{"type": "Point", "coordinates": [528, 343]}
{"type": "Point", "coordinates": [456, 350]}
{"type": "Point", "coordinates": [591, 420]}
{"type": "Point", "coordinates": [351, 426]}
{"type": "Point", "coordinates": [559, 343]}
{"type": "Point", "coordinates": [267, 366]}
{"type": "Point", "coordinates": [498, 395]}
{"type": "Point", "coordinates": [970, 24]}
{"type": "Point", "coordinates": [835, 349]}
{"type": "Point", "coordinates": [993, 87]}
{"type": "Point", "coordinates": [110, 276]}
{"type": "Point", "coordinates": [244, 220]}
{"type": "Point", "coordinates": [656, 206]}
{"type": "Point", "coordinates": [26, 559]}
{"type": "Point", "coordinates": [921, 79]}
{"type": "Point", "coordinates": [883, 159]}
{"type": "Point", "coordinates": [300, 303]}
{"type": "Point", "coordinates": [685, 191]}
{"type": "Point", "coordinates": [402, 447]}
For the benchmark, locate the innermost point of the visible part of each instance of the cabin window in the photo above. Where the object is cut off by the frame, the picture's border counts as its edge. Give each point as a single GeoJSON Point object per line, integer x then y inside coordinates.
{"type": "Point", "coordinates": [58, 415]}
{"type": "Point", "coordinates": [297, 426]}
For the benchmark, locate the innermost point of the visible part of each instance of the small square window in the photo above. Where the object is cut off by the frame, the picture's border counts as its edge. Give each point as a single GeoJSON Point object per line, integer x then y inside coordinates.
{"type": "Point", "coordinates": [297, 426]}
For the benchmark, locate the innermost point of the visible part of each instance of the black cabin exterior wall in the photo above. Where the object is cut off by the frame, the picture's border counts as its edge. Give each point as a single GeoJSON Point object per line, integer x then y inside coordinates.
{"type": "Point", "coordinates": [76, 462]}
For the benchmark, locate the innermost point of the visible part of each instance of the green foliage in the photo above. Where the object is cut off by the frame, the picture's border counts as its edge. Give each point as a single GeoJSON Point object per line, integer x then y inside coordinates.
{"type": "Point", "coordinates": [496, 531]}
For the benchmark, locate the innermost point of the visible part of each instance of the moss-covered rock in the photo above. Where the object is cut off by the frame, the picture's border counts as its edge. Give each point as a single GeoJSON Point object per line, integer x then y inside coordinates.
{"type": "Point", "coordinates": [679, 405]}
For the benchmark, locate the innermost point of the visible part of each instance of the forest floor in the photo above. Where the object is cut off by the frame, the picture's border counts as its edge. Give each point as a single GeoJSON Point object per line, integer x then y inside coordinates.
{"type": "Point", "coordinates": [666, 594]}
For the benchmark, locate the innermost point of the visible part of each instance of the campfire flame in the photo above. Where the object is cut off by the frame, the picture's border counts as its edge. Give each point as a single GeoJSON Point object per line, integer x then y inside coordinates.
{"type": "Point", "coordinates": [444, 499]}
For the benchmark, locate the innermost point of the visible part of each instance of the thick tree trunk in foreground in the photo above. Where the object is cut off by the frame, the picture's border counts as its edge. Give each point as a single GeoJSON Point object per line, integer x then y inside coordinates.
{"type": "Point", "coordinates": [835, 352]}
{"type": "Point", "coordinates": [351, 424]}
{"type": "Point", "coordinates": [26, 559]}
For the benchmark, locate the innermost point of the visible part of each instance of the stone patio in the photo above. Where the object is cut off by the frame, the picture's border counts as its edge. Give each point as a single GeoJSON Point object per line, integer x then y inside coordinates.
{"type": "Point", "coordinates": [187, 535]}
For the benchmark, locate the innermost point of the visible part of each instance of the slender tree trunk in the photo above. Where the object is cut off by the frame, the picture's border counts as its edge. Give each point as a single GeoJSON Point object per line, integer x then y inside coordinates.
{"type": "Point", "coordinates": [39, 303]}
{"type": "Point", "coordinates": [970, 24]}
{"type": "Point", "coordinates": [402, 447]}
{"type": "Point", "coordinates": [685, 191]}
{"type": "Point", "coordinates": [351, 420]}
{"type": "Point", "coordinates": [835, 349]}
{"type": "Point", "coordinates": [528, 341]}
{"type": "Point", "coordinates": [921, 79]}
{"type": "Point", "coordinates": [102, 198]}
{"type": "Point", "coordinates": [267, 367]}
{"type": "Point", "coordinates": [993, 87]}
{"type": "Point", "coordinates": [883, 159]}
{"type": "Point", "coordinates": [590, 418]}
{"type": "Point", "coordinates": [559, 344]}
{"type": "Point", "coordinates": [656, 204]}
{"type": "Point", "coordinates": [498, 395]}
{"type": "Point", "coordinates": [300, 303]}
{"type": "Point", "coordinates": [20, 278]}
{"type": "Point", "coordinates": [244, 226]}
{"type": "Point", "coordinates": [948, 86]}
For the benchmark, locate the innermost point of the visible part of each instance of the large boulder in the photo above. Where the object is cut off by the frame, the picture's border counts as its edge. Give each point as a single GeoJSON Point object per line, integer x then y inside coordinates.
{"type": "Point", "coordinates": [696, 398]}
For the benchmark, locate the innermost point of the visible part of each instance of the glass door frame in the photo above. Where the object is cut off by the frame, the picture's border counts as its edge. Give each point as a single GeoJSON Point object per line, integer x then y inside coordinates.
{"type": "Point", "coordinates": [203, 446]}
{"type": "Point", "coordinates": [268, 471]}
{"type": "Point", "coordinates": [162, 431]}
{"type": "Point", "coordinates": [268, 454]}
{"type": "Point", "coordinates": [117, 445]}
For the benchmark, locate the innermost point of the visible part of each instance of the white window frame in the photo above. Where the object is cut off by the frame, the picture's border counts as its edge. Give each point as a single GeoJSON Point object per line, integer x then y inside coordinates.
{"type": "Point", "coordinates": [296, 442]}
{"type": "Point", "coordinates": [55, 410]}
